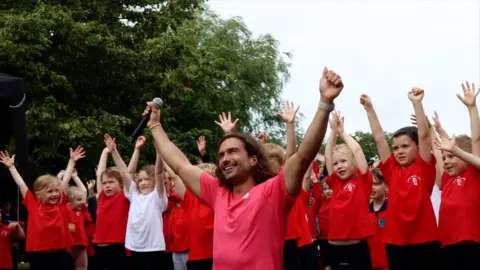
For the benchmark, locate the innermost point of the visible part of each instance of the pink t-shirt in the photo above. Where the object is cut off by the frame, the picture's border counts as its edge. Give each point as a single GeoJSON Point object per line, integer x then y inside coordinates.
{"type": "Point", "coordinates": [249, 230]}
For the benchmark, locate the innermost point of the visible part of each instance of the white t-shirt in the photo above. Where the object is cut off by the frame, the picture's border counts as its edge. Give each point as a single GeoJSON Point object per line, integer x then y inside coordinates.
{"type": "Point", "coordinates": [436, 198]}
{"type": "Point", "coordinates": [145, 222]}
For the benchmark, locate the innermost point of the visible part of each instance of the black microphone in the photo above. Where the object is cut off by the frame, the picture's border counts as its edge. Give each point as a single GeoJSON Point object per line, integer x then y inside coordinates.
{"type": "Point", "coordinates": [158, 103]}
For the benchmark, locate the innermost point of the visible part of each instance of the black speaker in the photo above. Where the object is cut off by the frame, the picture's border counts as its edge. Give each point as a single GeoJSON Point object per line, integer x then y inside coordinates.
{"type": "Point", "coordinates": [13, 124]}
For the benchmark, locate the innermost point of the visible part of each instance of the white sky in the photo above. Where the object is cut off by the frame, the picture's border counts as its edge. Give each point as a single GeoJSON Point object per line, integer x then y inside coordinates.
{"type": "Point", "coordinates": [381, 48]}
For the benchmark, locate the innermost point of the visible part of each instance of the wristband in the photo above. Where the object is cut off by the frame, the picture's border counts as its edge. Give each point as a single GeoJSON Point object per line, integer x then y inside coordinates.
{"type": "Point", "coordinates": [155, 125]}
{"type": "Point", "coordinates": [326, 107]}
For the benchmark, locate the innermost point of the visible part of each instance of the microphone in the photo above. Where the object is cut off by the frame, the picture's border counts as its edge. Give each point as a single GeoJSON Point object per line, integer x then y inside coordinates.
{"type": "Point", "coordinates": [158, 103]}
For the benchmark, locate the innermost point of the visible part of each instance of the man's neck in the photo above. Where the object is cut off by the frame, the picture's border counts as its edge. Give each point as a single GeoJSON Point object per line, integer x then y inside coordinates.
{"type": "Point", "coordinates": [377, 204]}
{"type": "Point", "coordinates": [244, 188]}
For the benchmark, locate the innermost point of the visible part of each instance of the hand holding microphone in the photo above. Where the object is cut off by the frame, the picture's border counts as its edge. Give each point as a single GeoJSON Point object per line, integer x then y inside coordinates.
{"type": "Point", "coordinates": [151, 116]}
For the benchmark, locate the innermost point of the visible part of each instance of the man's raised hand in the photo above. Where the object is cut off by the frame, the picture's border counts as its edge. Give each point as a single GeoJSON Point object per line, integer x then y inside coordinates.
{"type": "Point", "coordinates": [469, 94]}
{"type": "Point", "coordinates": [416, 94]}
{"type": "Point", "coordinates": [330, 85]}
{"type": "Point", "coordinates": [154, 115]}
{"type": "Point", "coordinates": [289, 112]}
{"type": "Point", "coordinates": [226, 123]}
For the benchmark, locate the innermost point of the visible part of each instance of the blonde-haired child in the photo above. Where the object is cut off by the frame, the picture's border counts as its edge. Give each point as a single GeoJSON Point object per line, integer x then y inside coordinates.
{"type": "Point", "coordinates": [351, 182]}
{"type": "Point", "coordinates": [48, 231]}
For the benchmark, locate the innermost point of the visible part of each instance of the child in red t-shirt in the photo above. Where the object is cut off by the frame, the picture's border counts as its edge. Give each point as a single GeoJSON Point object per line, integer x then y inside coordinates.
{"type": "Point", "coordinates": [351, 182]}
{"type": "Point", "coordinates": [459, 167]}
{"type": "Point", "coordinates": [8, 233]}
{"type": "Point", "coordinates": [324, 223]}
{"type": "Point", "coordinates": [112, 214]}
{"type": "Point", "coordinates": [378, 211]}
{"type": "Point", "coordinates": [411, 228]}
{"type": "Point", "coordinates": [49, 223]}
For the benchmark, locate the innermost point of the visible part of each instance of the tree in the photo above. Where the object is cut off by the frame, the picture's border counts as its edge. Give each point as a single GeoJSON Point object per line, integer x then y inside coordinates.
{"type": "Point", "coordinates": [90, 66]}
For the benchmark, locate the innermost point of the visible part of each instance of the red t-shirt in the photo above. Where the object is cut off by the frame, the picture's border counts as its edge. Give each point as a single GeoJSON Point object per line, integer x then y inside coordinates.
{"type": "Point", "coordinates": [293, 228]}
{"type": "Point", "coordinates": [179, 230]}
{"type": "Point", "coordinates": [166, 216]}
{"type": "Point", "coordinates": [324, 217]}
{"type": "Point", "coordinates": [349, 218]}
{"type": "Point", "coordinates": [200, 227]}
{"type": "Point", "coordinates": [6, 237]}
{"type": "Point", "coordinates": [302, 219]}
{"type": "Point", "coordinates": [250, 229]}
{"type": "Point", "coordinates": [112, 215]}
{"type": "Point", "coordinates": [47, 227]}
{"type": "Point", "coordinates": [459, 218]}
{"type": "Point", "coordinates": [410, 215]}
{"type": "Point", "coordinates": [84, 228]}
{"type": "Point", "coordinates": [314, 208]}
{"type": "Point", "coordinates": [378, 253]}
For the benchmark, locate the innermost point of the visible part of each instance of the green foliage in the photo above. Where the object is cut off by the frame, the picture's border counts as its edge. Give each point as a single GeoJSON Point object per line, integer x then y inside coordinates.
{"type": "Point", "coordinates": [90, 66]}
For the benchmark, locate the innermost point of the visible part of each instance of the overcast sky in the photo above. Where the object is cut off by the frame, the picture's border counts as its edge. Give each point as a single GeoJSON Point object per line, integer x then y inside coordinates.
{"type": "Point", "coordinates": [382, 48]}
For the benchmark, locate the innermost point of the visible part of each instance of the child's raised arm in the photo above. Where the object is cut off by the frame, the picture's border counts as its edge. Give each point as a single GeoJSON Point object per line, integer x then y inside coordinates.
{"type": "Point", "coordinates": [288, 116]}
{"type": "Point", "coordinates": [438, 126]}
{"type": "Point", "coordinates": [377, 130]}
{"type": "Point", "coordinates": [332, 140]}
{"type": "Point", "coordinates": [122, 167]}
{"type": "Point", "coordinates": [424, 142]}
{"type": "Point", "coordinates": [353, 145]}
{"type": "Point", "coordinates": [159, 175]}
{"type": "Point", "coordinates": [75, 155]}
{"type": "Point", "coordinates": [102, 166]}
{"type": "Point", "coordinates": [449, 145]}
{"type": "Point", "coordinates": [9, 162]}
{"type": "Point", "coordinates": [132, 165]}
{"type": "Point", "coordinates": [78, 182]}
{"type": "Point", "coordinates": [469, 99]}
{"type": "Point", "coordinates": [180, 188]}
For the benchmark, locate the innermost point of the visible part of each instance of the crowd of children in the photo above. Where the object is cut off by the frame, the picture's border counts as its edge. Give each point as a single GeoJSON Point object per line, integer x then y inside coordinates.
{"type": "Point", "coordinates": [341, 219]}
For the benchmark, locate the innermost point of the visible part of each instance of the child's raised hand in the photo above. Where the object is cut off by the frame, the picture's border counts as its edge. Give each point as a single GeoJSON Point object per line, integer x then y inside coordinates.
{"type": "Point", "coordinates": [289, 112]}
{"type": "Point", "coordinates": [416, 94]}
{"type": "Point", "coordinates": [202, 145]}
{"type": "Point", "coordinates": [340, 122]}
{"type": "Point", "coordinates": [469, 94]}
{"type": "Point", "coordinates": [91, 184]}
{"type": "Point", "coordinates": [334, 121]}
{"type": "Point", "coordinates": [13, 225]}
{"type": "Point", "coordinates": [109, 143]}
{"type": "Point", "coordinates": [366, 101]}
{"type": "Point", "coordinates": [140, 142]}
{"type": "Point", "coordinates": [77, 154]}
{"type": "Point", "coordinates": [445, 144]}
{"type": "Point", "coordinates": [263, 137]}
{"type": "Point", "coordinates": [6, 160]}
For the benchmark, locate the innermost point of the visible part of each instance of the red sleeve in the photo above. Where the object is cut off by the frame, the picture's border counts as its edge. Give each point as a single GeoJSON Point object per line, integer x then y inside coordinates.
{"type": "Point", "coordinates": [387, 167]}
{"type": "Point", "coordinates": [30, 202]}
{"type": "Point", "coordinates": [317, 198]}
{"type": "Point", "coordinates": [65, 198]}
{"type": "Point", "coordinates": [70, 214]}
{"type": "Point", "coordinates": [304, 197]}
{"type": "Point", "coordinates": [276, 189]}
{"type": "Point", "coordinates": [186, 203]}
{"type": "Point", "coordinates": [209, 189]}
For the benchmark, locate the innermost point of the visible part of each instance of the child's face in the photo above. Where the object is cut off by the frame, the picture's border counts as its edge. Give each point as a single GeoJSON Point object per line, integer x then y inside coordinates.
{"type": "Point", "coordinates": [111, 185]}
{"type": "Point", "coordinates": [405, 150]}
{"type": "Point", "coordinates": [342, 165]}
{"type": "Point", "coordinates": [50, 195]}
{"type": "Point", "coordinates": [379, 190]}
{"type": "Point", "coordinates": [145, 184]}
{"type": "Point", "coordinates": [452, 164]}
{"type": "Point", "coordinates": [77, 201]}
{"type": "Point", "coordinates": [327, 191]}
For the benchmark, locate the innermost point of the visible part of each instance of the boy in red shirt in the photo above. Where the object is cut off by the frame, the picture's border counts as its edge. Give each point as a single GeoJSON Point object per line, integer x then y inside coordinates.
{"type": "Point", "coordinates": [112, 215]}
{"type": "Point", "coordinates": [8, 233]}
{"type": "Point", "coordinates": [351, 182]}
{"type": "Point", "coordinates": [411, 231]}
{"type": "Point", "coordinates": [459, 221]}
{"type": "Point", "coordinates": [49, 223]}
{"type": "Point", "coordinates": [378, 213]}
{"type": "Point", "coordinates": [250, 202]}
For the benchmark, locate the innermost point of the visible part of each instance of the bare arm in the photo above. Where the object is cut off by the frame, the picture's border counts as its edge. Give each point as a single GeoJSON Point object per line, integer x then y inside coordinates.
{"type": "Point", "coordinates": [132, 165]}
{"type": "Point", "coordinates": [438, 158]}
{"type": "Point", "coordinates": [357, 151]}
{"type": "Point", "coordinates": [449, 145]}
{"type": "Point", "coordinates": [332, 140]}
{"type": "Point", "coordinates": [306, 179]}
{"type": "Point", "coordinates": [288, 116]}
{"type": "Point", "coordinates": [75, 155]}
{"type": "Point", "coordinates": [102, 166]}
{"type": "Point", "coordinates": [9, 162]}
{"type": "Point", "coordinates": [78, 182]}
{"type": "Point", "coordinates": [122, 167]}
{"type": "Point", "coordinates": [296, 166]}
{"type": "Point", "coordinates": [159, 176]}
{"type": "Point", "coordinates": [180, 188]}
{"type": "Point", "coordinates": [377, 130]}
{"type": "Point", "coordinates": [424, 140]}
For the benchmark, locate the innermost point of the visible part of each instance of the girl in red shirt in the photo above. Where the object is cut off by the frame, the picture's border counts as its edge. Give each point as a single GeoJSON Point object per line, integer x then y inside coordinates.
{"type": "Point", "coordinates": [324, 200]}
{"type": "Point", "coordinates": [8, 233]}
{"type": "Point", "coordinates": [112, 214]}
{"type": "Point", "coordinates": [411, 228]}
{"type": "Point", "coordinates": [351, 182]}
{"type": "Point", "coordinates": [459, 167]}
{"type": "Point", "coordinates": [48, 231]}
